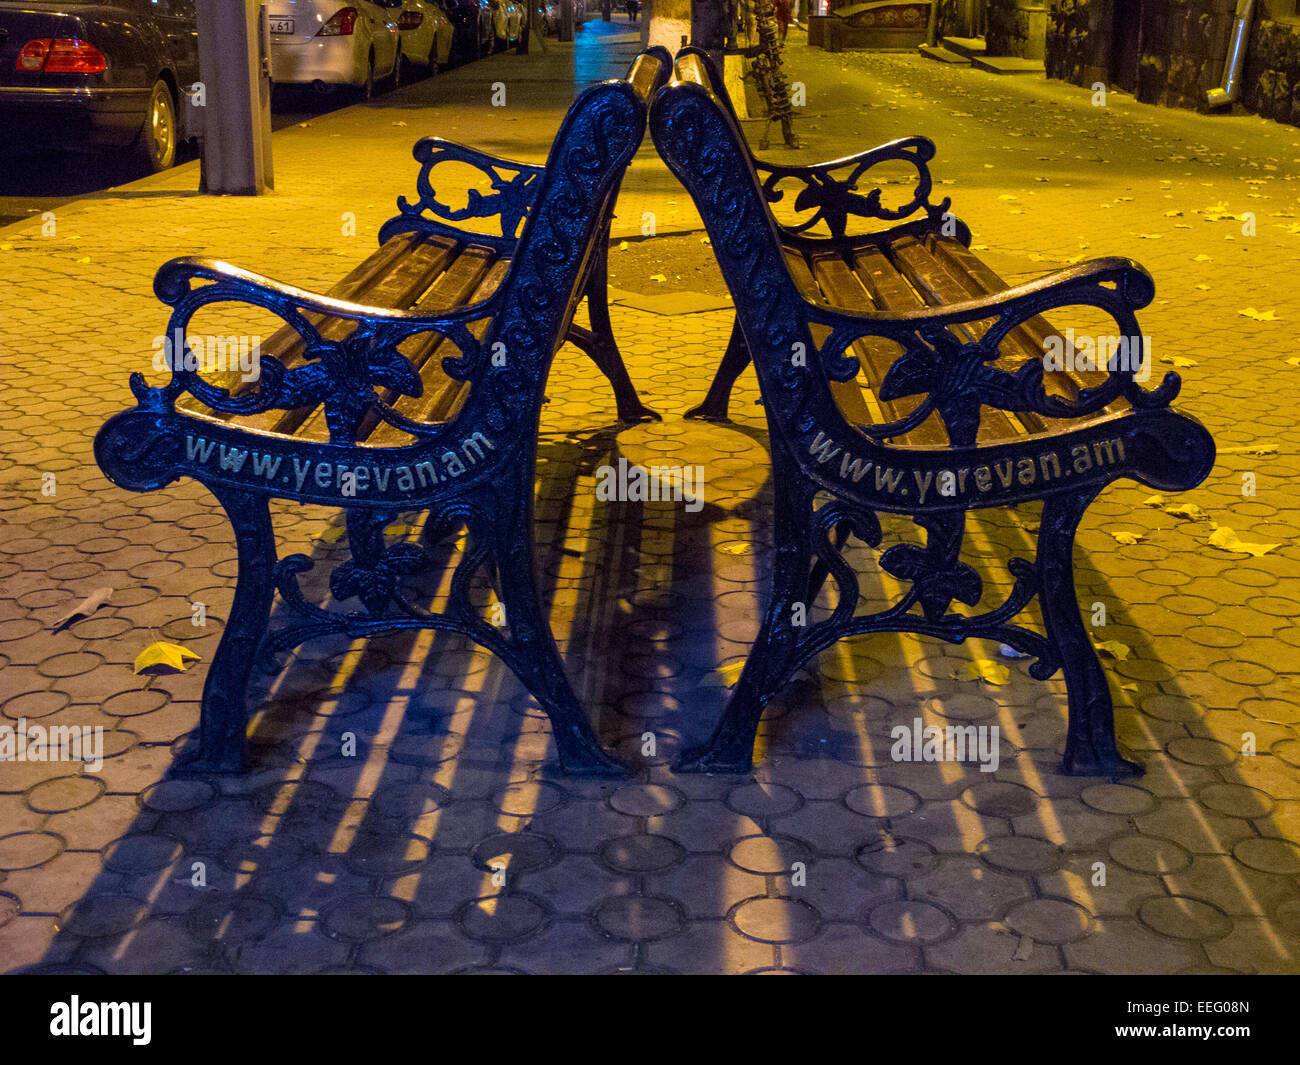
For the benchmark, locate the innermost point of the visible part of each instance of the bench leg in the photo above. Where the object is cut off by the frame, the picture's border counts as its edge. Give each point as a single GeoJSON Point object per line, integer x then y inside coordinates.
{"type": "Point", "coordinates": [734, 361]}
{"type": "Point", "coordinates": [224, 716]}
{"type": "Point", "coordinates": [1090, 747]}
{"type": "Point", "coordinates": [601, 347]}
{"type": "Point", "coordinates": [773, 658]}
{"type": "Point", "coordinates": [537, 662]}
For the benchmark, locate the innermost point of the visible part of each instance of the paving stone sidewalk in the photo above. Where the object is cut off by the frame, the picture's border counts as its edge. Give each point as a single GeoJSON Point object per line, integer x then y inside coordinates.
{"type": "Point", "coordinates": [448, 842]}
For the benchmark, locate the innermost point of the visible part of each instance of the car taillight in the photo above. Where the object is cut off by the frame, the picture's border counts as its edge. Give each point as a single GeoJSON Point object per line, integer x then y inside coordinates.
{"type": "Point", "coordinates": [32, 57]}
{"type": "Point", "coordinates": [340, 23]}
{"type": "Point", "coordinates": [410, 20]}
{"type": "Point", "coordinates": [60, 55]}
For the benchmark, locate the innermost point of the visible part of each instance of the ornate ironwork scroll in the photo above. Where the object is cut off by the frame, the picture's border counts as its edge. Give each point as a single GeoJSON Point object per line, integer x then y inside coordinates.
{"type": "Point", "coordinates": [831, 190]}
{"type": "Point", "coordinates": [514, 190]}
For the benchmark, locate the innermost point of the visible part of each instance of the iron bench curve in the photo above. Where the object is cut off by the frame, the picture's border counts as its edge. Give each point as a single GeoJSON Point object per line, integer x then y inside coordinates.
{"type": "Point", "coordinates": [1058, 441]}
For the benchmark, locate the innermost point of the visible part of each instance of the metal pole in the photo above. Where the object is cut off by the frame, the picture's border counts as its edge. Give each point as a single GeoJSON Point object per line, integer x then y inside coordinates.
{"type": "Point", "coordinates": [235, 68]}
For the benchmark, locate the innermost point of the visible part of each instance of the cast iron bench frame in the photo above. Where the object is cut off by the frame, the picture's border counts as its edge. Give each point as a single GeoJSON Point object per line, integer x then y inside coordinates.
{"type": "Point", "coordinates": [447, 412]}
{"type": "Point", "coordinates": [1104, 426]}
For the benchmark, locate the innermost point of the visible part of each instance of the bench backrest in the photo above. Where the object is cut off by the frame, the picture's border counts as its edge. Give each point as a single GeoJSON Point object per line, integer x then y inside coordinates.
{"type": "Point", "coordinates": [697, 135]}
{"type": "Point", "coordinates": [564, 229]}
{"type": "Point", "coordinates": [800, 347]}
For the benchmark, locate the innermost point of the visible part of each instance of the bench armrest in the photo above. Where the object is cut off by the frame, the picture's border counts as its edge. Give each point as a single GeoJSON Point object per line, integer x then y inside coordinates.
{"type": "Point", "coordinates": [1113, 284]}
{"type": "Point", "coordinates": [342, 373]}
{"type": "Point", "coordinates": [172, 285]}
{"type": "Point", "coordinates": [956, 378]}
{"type": "Point", "coordinates": [834, 198]}
{"type": "Point", "coordinates": [514, 188]}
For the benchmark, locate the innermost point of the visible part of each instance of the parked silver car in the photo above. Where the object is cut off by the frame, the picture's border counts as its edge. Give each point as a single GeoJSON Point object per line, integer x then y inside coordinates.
{"type": "Point", "coordinates": [324, 44]}
{"type": "Point", "coordinates": [426, 33]}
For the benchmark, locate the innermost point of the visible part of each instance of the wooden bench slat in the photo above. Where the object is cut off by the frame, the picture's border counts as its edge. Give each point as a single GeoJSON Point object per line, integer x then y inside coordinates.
{"type": "Point", "coordinates": [929, 275]}
{"type": "Point", "coordinates": [843, 288]}
{"type": "Point", "coordinates": [1030, 339]}
{"type": "Point", "coordinates": [425, 274]}
{"type": "Point", "coordinates": [982, 281]}
{"type": "Point", "coordinates": [451, 288]}
{"type": "Point", "coordinates": [889, 291]}
{"type": "Point", "coordinates": [415, 262]}
{"type": "Point", "coordinates": [802, 277]}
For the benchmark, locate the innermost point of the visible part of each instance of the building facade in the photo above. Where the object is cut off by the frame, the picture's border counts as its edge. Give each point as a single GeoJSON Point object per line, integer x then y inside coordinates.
{"type": "Point", "coordinates": [1167, 52]}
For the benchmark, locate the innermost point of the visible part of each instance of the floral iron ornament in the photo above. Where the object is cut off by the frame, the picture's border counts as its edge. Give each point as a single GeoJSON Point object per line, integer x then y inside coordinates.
{"type": "Point", "coordinates": [514, 188]}
{"type": "Point", "coordinates": [835, 199]}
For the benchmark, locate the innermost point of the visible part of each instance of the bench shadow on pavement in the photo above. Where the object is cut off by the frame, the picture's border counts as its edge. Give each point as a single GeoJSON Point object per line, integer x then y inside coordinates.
{"type": "Point", "coordinates": [319, 853]}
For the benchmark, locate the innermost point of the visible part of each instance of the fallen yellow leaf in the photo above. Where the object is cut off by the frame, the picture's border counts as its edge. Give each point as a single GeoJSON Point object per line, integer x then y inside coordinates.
{"type": "Point", "coordinates": [1226, 540]}
{"type": "Point", "coordinates": [1186, 510]}
{"type": "Point", "coordinates": [1112, 649]}
{"type": "Point", "coordinates": [1259, 316]}
{"type": "Point", "coordinates": [1128, 538]}
{"type": "Point", "coordinates": [987, 670]}
{"type": "Point", "coordinates": [161, 658]}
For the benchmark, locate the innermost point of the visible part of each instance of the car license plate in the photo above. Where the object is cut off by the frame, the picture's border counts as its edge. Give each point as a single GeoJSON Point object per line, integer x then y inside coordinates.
{"type": "Point", "coordinates": [281, 25]}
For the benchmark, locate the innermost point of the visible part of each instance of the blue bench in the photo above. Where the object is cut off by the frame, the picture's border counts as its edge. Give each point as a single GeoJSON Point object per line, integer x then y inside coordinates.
{"type": "Point", "coordinates": [415, 385]}
{"type": "Point", "coordinates": [900, 375]}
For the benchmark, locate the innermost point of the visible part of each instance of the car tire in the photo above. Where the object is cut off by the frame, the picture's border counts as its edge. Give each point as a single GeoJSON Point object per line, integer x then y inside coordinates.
{"type": "Point", "coordinates": [431, 61]}
{"type": "Point", "coordinates": [402, 73]}
{"type": "Point", "coordinates": [394, 79]}
{"type": "Point", "coordinates": [367, 89]}
{"type": "Point", "coordinates": [154, 148]}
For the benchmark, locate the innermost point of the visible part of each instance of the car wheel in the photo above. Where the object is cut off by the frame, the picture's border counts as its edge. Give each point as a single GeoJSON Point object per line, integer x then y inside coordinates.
{"type": "Point", "coordinates": [155, 146]}
{"type": "Point", "coordinates": [431, 61]}
{"type": "Point", "coordinates": [368, 88]}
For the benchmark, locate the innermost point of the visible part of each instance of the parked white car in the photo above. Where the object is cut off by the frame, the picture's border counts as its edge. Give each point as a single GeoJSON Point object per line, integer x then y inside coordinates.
{"type": "Point", "coordinates": [506, 19]}
{"type": "Point", "coordinates": [426, 34]}
{"type": "Point", "coordinates": [514, 20]}
{"type": "Point", "coordinates": [325, 44]}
